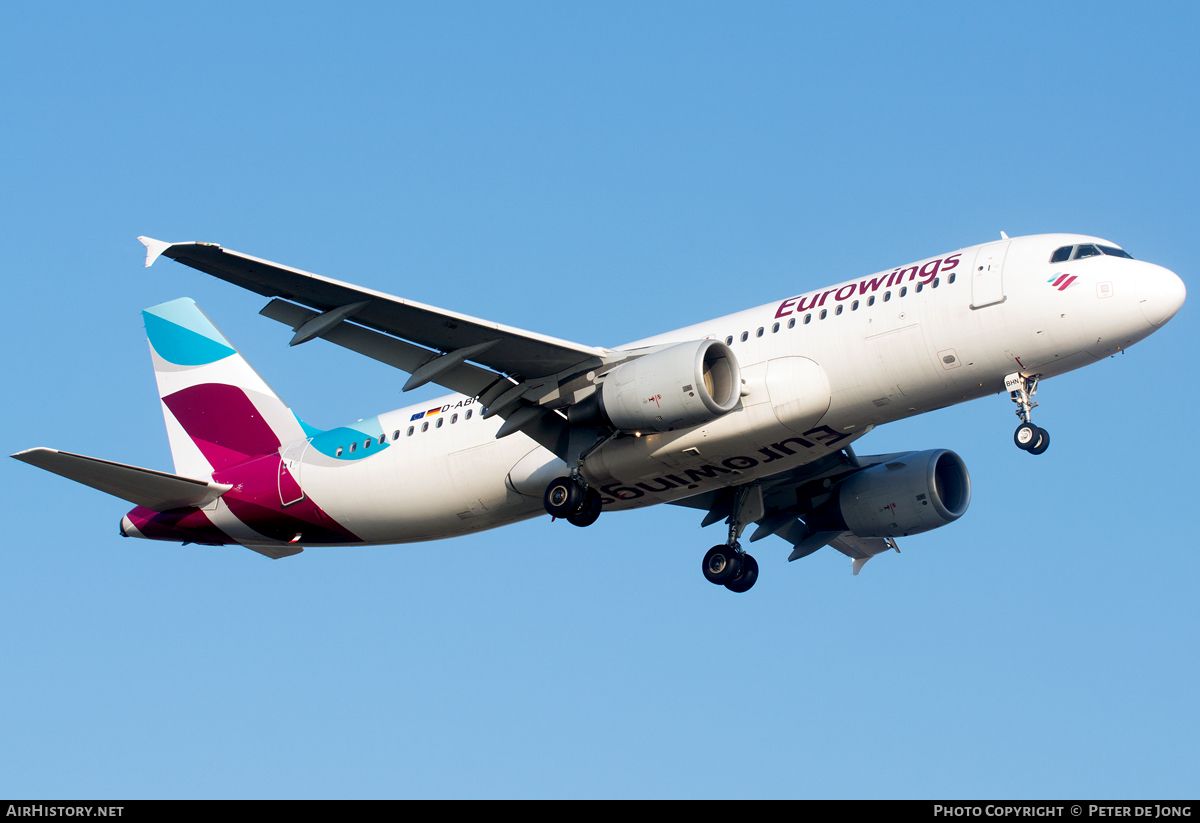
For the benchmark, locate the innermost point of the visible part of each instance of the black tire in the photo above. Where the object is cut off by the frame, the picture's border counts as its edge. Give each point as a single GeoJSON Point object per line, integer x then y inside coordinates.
{"type": "Point", "coordinates": [590, 513]}
{"type": "Point", "coordinates": [746, 578]}
{"type": "Point", "coordinates": [1026, 436]}
{"type": "Point", "coordinates": [1043, 442]}
{"type": "Point", "coordinates": [563, 497]}
{"type": "Point", "coordinates": [721, 564]}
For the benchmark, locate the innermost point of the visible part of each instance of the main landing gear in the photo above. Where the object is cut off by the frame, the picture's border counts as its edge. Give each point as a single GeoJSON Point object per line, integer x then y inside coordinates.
{"type": "Point", "coordinates": [566, 497]}
{"type": "Point", "coordinates": [1028, 437]}
{"type": "Point", "coordinates": [727, 565]}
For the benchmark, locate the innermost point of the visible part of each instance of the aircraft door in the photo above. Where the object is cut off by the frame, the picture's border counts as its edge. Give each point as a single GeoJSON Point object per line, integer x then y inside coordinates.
{"type": "Point", "coordinates": [289, 473]}
{"type": "Point", "coordinates": [987, 277]}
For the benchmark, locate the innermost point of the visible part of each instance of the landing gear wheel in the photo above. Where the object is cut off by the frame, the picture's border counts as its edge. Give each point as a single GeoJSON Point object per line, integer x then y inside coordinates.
{"type": "Point", "coordinates": [721, 564]}
{"type": "Point", "coordinates": [1026, 436]}
{"type": "Point", "coordinates": [590, 512]}
{"type": "Point", "coordinates": [744, 579]}
{"type": "Point", "coordinates": [564, 497]}
{"type": "Point", "coordinates": [1042, 444]}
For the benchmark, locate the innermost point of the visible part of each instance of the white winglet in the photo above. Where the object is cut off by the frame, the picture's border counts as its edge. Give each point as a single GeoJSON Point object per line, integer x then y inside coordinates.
{"type": "Point", "coordinates": [153, 248]}
{"type": "Point", "coordinates": [858, 563]}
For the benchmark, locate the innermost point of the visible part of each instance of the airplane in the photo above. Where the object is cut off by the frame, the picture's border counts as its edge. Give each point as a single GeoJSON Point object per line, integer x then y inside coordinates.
{"type": "Point", "coordinates": [749, 418]}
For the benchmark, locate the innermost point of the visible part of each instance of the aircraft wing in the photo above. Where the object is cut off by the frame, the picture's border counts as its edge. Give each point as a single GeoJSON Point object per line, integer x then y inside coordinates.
{"type": "Point", "coordinates": [318, 305]}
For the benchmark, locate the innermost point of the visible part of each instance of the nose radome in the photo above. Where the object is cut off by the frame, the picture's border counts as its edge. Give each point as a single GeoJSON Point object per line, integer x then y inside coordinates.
{"type": "Point", "coordinates": [1163, 294]}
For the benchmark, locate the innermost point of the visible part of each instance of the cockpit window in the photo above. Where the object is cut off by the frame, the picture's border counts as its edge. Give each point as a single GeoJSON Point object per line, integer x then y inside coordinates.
{"type": "Point", "coordinates": [1086, 250]}
{"type": "Point", "coordinates": [1061, 255]}
{"type": "Point", "coordinates": [1113, 251]}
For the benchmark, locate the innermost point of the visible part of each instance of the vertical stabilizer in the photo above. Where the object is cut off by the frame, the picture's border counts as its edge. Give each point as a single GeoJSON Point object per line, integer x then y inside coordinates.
{"type": "Point", "coordinates": [219, 412]}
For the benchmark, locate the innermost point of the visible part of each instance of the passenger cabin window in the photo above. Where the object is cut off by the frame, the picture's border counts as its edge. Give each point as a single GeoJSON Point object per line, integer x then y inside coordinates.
{"type": "Point", "coordinates": [411, 429]}
{"type": "Point", "coordinates": [824, 313]}
{"type": "Point", "coordinates": [792, 323]}
{"type": "Point", "coordinates": [1113, 251]}
{"type": "Point", "coordinates": [887, 295]}
{"type": "Point", "coordinates": [745, 336]}
{"type": "Point", "coordinates": [439, 422]}
{"type": "Point", "coordinates": [950, 279]}
{"type": "Point", "coordinates": [904, 291]}
{"type": "Point", "coordinates": [396, 434]}
{"type": "Point", "coordinates": [367, 443]}
{"type": "Point", "coordinates": [775, 328]}
{"type": "Point", "coordinates": [920, 287]}
{"type": "Point", "coordinates": [454, 418]}
{"type": "Point", "coordinates": [759, 332]}
{"type": "Point", "coordinates": [1086, 250]}
{"type": "Point", "coordinates": [425, 426]}
{"type": "Point", "coordinates": [338, 453]}
{"type": "Point", "coordinates": [1061, 255]}
{"type": "Point", "coordinates": [871, 300]}
{"type": "Point", "coordinates": [854, 306]}
{"type": "Point", "coordinates": [353, 446]}
{"type": "Point", "coordinates": [839, 309]}
{"type": "Point", "coordinates": [468, 417]}
{"type": "Point", "coordinates": [807, 319]}
{"type": "Point", "coordinates": [729, 340]}
{"type": "Point", "coordinates": [383, 438]}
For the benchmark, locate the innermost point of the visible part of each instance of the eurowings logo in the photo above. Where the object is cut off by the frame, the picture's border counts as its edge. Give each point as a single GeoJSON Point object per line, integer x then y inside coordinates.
{"type": "Point", "coordinates": [1062, 282]}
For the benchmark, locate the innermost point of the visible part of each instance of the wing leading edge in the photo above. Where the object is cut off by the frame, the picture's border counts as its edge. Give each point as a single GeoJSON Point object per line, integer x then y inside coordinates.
{"type": "Point", "coordinates": [509, 351]}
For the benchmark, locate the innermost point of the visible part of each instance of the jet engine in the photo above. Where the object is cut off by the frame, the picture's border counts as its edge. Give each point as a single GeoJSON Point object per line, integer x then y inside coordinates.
{"type": "Point", "coordinates": [679, 387]}
{"type": "Point", "coordinates": [914, 493]}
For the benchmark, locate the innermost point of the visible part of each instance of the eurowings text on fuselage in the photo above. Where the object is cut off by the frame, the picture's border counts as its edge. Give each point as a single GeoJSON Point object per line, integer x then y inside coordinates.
{"type": "Point", "coordinates": [749, 417]}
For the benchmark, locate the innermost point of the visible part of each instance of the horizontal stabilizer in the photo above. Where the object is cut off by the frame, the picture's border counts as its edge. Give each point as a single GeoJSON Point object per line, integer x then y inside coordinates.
{"type": "Point", "coordinates": [157, 491]}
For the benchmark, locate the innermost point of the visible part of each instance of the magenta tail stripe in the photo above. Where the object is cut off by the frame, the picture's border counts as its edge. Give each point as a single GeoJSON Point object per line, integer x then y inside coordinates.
{"type": "Point", "coordinates": [223, 422]}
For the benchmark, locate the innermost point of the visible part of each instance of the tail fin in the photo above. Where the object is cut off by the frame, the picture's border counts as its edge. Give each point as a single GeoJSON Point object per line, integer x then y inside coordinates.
{"type": "Point", "coordinates": [219, 412]}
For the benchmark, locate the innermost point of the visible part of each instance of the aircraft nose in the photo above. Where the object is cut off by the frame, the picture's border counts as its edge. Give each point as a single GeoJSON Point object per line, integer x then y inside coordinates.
{"type": "Point", "coordinates": [1162, 293]}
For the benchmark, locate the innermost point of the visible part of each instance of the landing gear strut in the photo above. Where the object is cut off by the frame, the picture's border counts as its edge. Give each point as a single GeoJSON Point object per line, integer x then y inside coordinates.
{"type": "Point", "coordinates": [570, 497]}
{"type": "Point", "coordinates": [1028, 437]}
{"type": "Point", "coordinates": [727, 565]}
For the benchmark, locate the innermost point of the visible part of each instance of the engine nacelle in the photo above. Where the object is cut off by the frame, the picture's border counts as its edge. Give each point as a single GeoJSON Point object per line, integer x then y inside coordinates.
{"type": "Point", "coordinates": [908, 495]}
{"type": "Point", "coordinates": [677, 388]}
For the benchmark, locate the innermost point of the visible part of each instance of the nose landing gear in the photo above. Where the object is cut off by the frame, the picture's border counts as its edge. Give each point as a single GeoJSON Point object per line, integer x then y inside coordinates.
{"type": "Point", "coordinates": [1027, 437]}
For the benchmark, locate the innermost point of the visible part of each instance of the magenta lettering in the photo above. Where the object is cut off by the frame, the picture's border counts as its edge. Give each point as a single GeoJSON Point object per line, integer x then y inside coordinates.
{"type": "Point", "coordinates": [872, 284]}
{"type": "Point", "coordinates": [839, 296]}
{"type": "Point", "coordinates": [784, 305]}
{"type": "Point", "coordinates": [951, 262]}
{"type": "Point", "coordinates": [930, 270]}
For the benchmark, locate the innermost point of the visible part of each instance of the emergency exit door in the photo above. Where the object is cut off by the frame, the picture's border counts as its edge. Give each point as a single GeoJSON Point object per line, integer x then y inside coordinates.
{"type": "Point", "coordinates": [987, 276]}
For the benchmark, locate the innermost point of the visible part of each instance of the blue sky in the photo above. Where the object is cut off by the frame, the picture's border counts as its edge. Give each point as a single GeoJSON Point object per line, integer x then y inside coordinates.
{"type": "Point", "coordinates": [599, 173]}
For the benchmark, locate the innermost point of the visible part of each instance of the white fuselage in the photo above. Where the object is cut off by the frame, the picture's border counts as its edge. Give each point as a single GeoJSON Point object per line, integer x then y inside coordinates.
{"type": "Point", "coordinates": [846, 364]}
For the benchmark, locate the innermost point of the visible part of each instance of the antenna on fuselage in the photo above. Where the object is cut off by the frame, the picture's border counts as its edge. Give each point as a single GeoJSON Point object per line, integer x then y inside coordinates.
{"type": "Point", "coordinates": [1003, 236]}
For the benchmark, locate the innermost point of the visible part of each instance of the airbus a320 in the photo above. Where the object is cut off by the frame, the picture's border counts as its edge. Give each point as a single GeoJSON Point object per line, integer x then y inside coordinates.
{"type": "Point", "coordinates": [748, 418]}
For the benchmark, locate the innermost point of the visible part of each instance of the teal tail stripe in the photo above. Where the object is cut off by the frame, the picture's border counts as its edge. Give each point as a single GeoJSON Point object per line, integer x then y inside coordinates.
{"type": "Point", "coordinates": [180, 345]}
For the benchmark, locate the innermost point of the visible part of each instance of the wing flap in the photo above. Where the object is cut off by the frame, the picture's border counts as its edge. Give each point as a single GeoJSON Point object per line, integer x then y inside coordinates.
{"type": "Point", "coordinates": [155, 490]}
{"type": "Point", "coordinates": [462, 378]}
